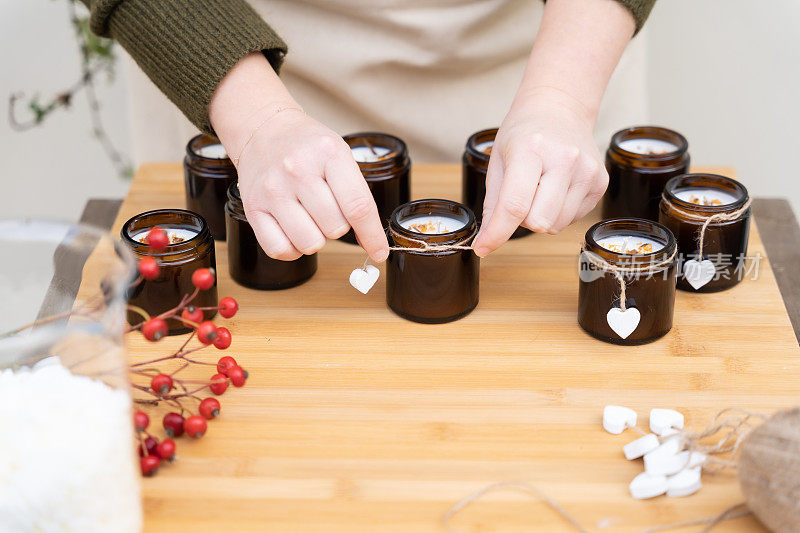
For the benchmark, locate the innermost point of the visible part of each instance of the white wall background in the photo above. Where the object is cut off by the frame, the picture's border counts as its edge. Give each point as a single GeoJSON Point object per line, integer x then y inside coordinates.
{"type": "Point", "coordinates": [51, 170]}
{"type": "Point", "coordinates": [723, 72]}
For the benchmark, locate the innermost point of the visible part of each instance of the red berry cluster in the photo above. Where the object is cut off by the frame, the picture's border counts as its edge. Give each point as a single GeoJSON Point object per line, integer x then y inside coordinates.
{"type": "Point", "coordinates": [168, 388]}
{"type": "Point", "coordinates": [152, 451]}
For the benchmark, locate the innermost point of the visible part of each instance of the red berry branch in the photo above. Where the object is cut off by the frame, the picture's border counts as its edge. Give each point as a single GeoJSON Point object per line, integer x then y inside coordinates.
{"type": "Point", "coordinates": [156, 386]}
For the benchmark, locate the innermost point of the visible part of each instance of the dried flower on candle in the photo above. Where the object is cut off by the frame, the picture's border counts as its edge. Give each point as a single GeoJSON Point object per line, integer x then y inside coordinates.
{"type": "Point", "coordinates": [427, 227]}
{"type": "Point", "coordinates": [703, 200]}
{"type": "Point", "coordinates": [371, 154]}
{"type": "Point", "coordinates": [166, 237]}
{"type": "Point", "coordinates": [641, 248]}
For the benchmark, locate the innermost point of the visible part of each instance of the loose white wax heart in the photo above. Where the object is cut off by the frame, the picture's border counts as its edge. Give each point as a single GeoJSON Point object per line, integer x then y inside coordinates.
{"type": "Point", "coordinates": [699, 273]}
{"type": "Point", "coordinates": [663, 420]}
{"type": "Point", "coordinates": [623, 322]}
{"type": "Point", "coordinates": [684, 483]}
{"type": "Point", "coordinates": [660, 463]}
{"type": "Point", "coordinates": [647, 485]}
{"type": "Point", "coordinates": [641, 446]}
{"type": "Point", "coordinates": [616, 418]}
{"type": "Point", "coordinates": [362, 279]}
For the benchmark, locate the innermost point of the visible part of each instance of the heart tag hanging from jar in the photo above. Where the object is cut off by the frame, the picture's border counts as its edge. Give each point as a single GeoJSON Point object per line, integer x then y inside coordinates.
{"type": "Point", "coordinates": [362, 279]}
{"type": "Point", "coordinates": [699, 273]}
{"type": "Point", "coordinates": [623, 322]}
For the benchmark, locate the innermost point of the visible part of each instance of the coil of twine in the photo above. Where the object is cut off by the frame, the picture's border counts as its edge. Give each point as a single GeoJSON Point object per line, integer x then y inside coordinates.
{"type": "Point", "coordinates": [719, 217]}
{"type": "Point", "coordinates": [769, 471]}
{"type": "Point", "coordinates": [766, 453]}
{"type": "Point", "coordinates": [626, 270]}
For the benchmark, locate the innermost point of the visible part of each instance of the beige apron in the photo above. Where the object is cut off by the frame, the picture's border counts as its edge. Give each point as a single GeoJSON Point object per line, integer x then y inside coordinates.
{"type": "Point", "coordinates": [429, 71]}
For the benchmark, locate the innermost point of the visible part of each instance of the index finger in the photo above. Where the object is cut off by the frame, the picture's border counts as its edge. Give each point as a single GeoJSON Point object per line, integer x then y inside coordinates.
{"type": "Point", "coordinates": [523, 169]}
{"type": "Point", "coordinates": [494, 178]}
{"type": "Point", "coordinates": [358, 207]}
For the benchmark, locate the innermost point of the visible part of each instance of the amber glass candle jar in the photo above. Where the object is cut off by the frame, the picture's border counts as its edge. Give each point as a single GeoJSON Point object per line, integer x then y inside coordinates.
{"type": "Point", "coordinates": [474, 163]}
{"type": "Point", "coordinates": [384, 163]}
{"type": "Point", "coordinates": [432, 286]}
{"type": "Point", "coordinates": [248, 264]}
{"type": "Point", "coordinates": [208, 172]}
{"type": "Point", "coordinates": [688, 201]}
{"type": "Point", "coordinates": [192, 247]}
{"type": "Point", "coordinates": [647, 252]}
{"type": "Point", "coordinates": [640, 161]}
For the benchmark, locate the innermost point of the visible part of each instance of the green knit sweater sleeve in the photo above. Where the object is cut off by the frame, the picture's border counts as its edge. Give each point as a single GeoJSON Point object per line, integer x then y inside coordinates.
{"type": "Point", "coordinates": [186, 47]}
{"type": "Point", "coordinates": [640, 9]}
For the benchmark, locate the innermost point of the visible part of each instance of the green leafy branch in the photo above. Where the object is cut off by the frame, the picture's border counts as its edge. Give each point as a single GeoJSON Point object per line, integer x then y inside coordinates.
{"type": "Point", "coordinates": [97, 56]}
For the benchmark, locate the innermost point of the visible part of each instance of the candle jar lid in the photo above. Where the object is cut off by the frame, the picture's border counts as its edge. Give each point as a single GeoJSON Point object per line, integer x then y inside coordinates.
{"type": "Point", "coordinates": [195, 156]}
{"type": "Point", "coordinates": [234, 204]}
{"type": "Point", "coordinates": [654, 159]}
{"type": "Point", "coordinates": [472, 153]}
{"type": "Point", "coordinates": [637, 227]}
{"type": "Point", "coordinates": [405, 237]}
{"type": "Point", "coordinates": [726, 185]}
{"type": "Point", "coordinates": [389, 164]}
{"type": "Point", "coordinates": [167, 219]}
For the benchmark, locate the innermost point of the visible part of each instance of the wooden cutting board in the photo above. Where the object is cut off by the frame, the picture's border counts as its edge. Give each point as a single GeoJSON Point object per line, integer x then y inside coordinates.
{"type": "Point", "coordinates": [356, 420]}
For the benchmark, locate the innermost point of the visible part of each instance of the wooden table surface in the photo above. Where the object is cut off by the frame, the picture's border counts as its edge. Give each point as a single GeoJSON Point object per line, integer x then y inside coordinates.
{"type": "Point", "coordinates": [356, 420]}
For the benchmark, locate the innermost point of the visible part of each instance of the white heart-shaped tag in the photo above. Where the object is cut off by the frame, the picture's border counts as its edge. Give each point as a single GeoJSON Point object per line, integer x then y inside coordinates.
{"type": "Point", "coordinates": [699, 273]}
{"type": "Point", "coordinates": [623, 322]}
{"type": "Point", "coordinates": [362, 279]}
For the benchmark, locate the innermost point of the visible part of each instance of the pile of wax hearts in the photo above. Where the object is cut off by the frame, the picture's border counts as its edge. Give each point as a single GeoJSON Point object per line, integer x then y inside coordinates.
{"type": "Point", "coordinates": [669, 468]}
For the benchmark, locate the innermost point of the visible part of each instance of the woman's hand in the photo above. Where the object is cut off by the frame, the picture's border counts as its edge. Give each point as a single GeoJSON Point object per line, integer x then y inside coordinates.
{"type": "Point", "coordinates": [545, 170]}
{"type": "Point", "coordinates": [298, 179]}
{"type": "Point", "coordinates": [300, 184]}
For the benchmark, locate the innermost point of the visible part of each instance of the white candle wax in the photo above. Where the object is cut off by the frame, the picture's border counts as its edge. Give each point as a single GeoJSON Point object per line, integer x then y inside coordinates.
{"type": "Point", "coordinates": [705, 196]}
{"type": "Point", "coordinates": [68, 466]}
{"type": "Point", "coordinates": [432, 224]}
{"type": "Point", "coordinates": [365, 154]}
{"type": "Point", "coordinates": [647, 146]}
{"type": "Point", "coordinates": [485, 147]}
{"type": "Point", "coordinates": [630, 244]}
{"type": "Point", "coordinates": [175, 235]}
{"type": "Point", "coordinates": [212, 151]}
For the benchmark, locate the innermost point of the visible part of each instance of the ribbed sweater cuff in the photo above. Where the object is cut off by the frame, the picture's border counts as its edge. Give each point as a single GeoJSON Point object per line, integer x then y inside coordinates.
{"type": "Point", "coordinates": [186, 47]}
{"type": "Point", "coordinates": [640, 9]}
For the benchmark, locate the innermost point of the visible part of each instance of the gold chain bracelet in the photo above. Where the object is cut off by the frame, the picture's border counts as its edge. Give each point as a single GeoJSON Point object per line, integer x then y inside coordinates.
{"type": "Point", "coordinates": [252, 133]}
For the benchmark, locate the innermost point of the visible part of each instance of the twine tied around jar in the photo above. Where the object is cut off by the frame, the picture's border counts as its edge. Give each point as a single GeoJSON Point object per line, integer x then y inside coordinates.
{"type": "Point", "coordinates": [719, 217]}
{"type": "Point", "coordinates": [427, 247]}
{"type": "Point", "coordinates": [362, 279]}
{"type": "Point", "coordinates": [619, 272]}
